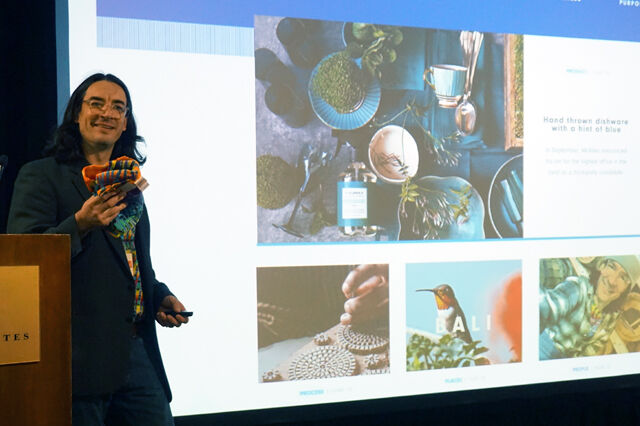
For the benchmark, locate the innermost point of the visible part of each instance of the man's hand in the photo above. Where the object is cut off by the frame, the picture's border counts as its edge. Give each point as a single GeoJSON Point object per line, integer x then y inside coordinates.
{"type": "Point", "coordinates": [367, 291]}
{"type": "Point", "coordinates": [99, 211]}
{"type": "Point", "coordinates": [171, 303]}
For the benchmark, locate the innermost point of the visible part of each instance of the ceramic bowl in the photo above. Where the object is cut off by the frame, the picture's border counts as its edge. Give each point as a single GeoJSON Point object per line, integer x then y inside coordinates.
{"type": "Point", "coordinates": [362, 113]}
{"type": "Point", "coordinates": [393, 154]}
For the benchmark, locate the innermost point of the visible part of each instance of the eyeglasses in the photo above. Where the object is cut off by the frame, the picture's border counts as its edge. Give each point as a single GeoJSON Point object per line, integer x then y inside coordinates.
{"type": "Point", "coordinates": [96, 106]}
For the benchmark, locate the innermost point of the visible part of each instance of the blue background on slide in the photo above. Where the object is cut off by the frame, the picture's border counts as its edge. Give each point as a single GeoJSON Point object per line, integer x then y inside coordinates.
{"type": "Point", "coordinates": [605, 19]}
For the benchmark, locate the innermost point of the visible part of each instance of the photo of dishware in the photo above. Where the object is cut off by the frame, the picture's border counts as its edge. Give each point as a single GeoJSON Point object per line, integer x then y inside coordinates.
{"type": "Point", "coordinates": [330, 109]}
{"type": "Point", "coordinates": [506, 209]}
{"type": "Point", "coordinates": [448, 82]}
{"type": "Point", "coordinates": [393, 154]}
{"type": "Point", "coordinates": [409, 122]}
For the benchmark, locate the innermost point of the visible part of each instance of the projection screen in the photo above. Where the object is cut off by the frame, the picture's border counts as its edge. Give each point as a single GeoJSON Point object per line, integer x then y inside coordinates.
{"type": "Point", "coordinates": [470, 167]}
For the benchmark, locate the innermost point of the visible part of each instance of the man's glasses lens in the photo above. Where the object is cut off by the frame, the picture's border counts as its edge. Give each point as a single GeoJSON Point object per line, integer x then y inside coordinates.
{"type": "Point", "coordinates": [97, 106]}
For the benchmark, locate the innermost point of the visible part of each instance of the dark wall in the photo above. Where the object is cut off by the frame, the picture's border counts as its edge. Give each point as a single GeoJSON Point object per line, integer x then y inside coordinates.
{"type": "Point", "coordinates": [27, 87]}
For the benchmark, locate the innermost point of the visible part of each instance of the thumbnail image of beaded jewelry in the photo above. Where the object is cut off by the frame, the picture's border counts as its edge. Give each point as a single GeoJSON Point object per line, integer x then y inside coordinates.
{"type": "Point", "coordinates": [340, 351]}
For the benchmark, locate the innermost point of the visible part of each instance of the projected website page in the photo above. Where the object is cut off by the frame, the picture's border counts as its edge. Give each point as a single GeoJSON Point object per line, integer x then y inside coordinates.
{"type": "Point", "coordinates": [468, 169]}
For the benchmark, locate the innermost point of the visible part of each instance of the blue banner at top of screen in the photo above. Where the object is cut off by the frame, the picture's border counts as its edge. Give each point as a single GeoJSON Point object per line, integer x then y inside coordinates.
{"type": "Point", "coordinates": [597, 19]}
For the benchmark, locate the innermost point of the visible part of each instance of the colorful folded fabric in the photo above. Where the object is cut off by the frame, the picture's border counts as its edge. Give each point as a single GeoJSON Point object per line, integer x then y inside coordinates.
{"type": "Point", "coordinates": [104, 178]}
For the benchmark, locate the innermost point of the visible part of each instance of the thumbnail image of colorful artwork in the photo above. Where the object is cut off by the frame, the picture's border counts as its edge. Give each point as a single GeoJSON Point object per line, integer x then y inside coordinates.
{"type": "Point", "coordinates": [589, 306]}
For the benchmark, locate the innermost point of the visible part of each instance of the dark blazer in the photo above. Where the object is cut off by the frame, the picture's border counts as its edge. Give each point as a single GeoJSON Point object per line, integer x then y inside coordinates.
{"type": "Point", "coordinates": [46, 196]}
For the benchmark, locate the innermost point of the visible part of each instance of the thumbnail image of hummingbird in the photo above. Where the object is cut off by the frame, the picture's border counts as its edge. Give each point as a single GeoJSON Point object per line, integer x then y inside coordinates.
{"type": "Point", "coordinates": [449, 312]}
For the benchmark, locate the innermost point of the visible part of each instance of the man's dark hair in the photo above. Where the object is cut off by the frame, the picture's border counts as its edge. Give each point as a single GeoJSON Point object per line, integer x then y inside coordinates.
{"type": "Point", "coordinates": [66, 145]}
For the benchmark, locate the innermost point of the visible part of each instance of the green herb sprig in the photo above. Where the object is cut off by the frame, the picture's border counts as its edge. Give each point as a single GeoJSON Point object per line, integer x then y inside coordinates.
{"type": "Point", "coordinates": [391, 162]}
{"type": "Point", "coordinates": [376, 45]}
{"type": "Point", "coordinates": [448, 352]}
{"type": "Point", "coordinates": [432, 210]}
{"type": "Point", "coordinates": [440, 148]}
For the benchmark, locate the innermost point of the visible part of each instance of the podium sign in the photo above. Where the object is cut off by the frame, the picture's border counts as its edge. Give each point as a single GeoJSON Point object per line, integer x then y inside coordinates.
{"type": "Point", "coordinates": [35, 330]}
{"type": "Point", "coordinates": [20, 313]}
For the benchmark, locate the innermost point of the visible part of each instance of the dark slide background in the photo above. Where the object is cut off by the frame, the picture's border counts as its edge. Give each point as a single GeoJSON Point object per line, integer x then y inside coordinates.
{"type": "Point", "coordinates": [28, 103]}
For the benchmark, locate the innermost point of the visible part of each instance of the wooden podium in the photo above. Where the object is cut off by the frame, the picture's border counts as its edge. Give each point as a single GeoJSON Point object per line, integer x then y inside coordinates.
{"type": "Point", "coordinates": [39, 392]}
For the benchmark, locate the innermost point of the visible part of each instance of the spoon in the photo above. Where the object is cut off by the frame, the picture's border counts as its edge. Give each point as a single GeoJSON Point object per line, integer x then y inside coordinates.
{"type": "Point", "coordinates": [311, 159]}
{"type": "Point", "coordinates": [466, 113]}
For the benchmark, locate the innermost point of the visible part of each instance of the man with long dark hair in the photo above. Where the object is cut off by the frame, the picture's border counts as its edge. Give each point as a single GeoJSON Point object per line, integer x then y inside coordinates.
{"type": "Point", "coordinates": [118, 376]}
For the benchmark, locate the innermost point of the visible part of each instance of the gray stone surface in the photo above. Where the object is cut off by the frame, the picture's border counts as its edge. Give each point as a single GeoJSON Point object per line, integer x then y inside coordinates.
{"type": "Point", "coordinates": [275, 137]}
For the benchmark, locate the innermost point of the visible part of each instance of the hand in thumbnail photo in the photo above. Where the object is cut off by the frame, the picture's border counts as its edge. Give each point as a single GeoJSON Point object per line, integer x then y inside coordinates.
{"type": "Point", "coordinates": [471, 314]}
{"type": "Point", "coordinates": [379, 132]}
{"type": "Point", "coordinates": [317, 322]}
{"type": "Point", "coordinates": [589, 306]}
{"type": "Point", "coordinates": [367, 291]}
